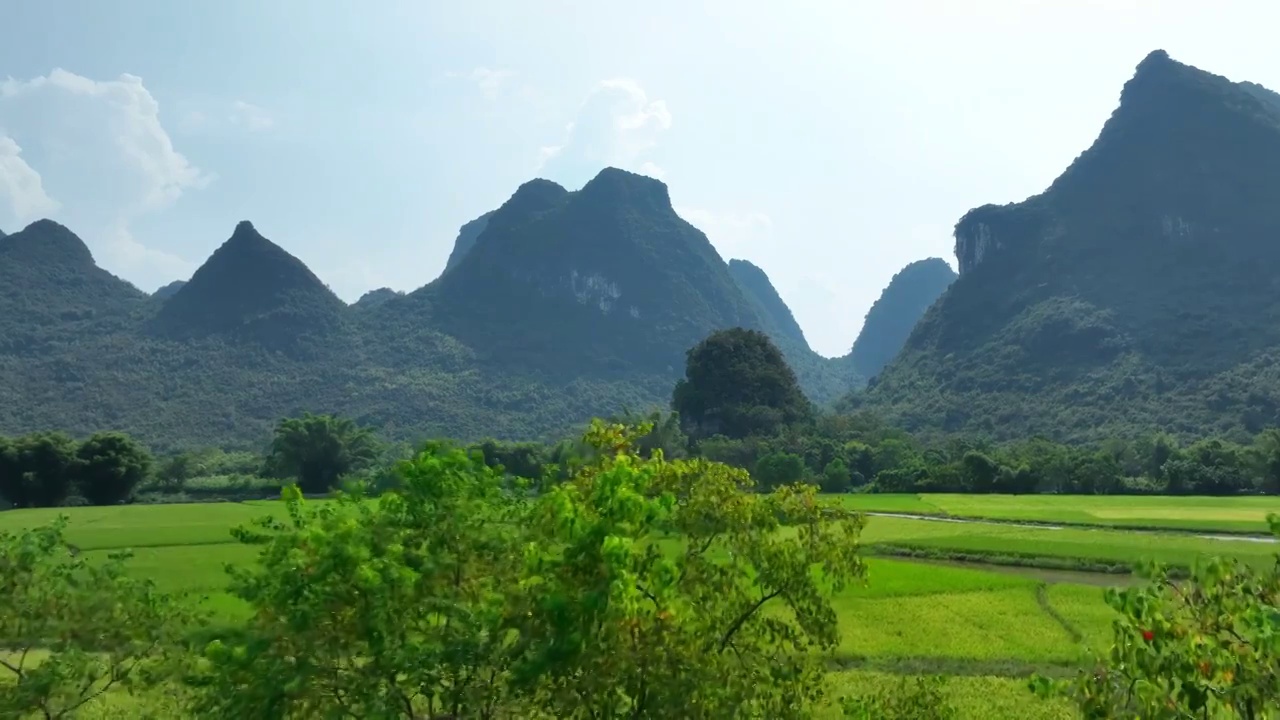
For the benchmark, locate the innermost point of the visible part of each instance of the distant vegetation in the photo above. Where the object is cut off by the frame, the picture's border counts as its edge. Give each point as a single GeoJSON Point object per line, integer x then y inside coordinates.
{"type": "Point", "coordinates": [738, 404]}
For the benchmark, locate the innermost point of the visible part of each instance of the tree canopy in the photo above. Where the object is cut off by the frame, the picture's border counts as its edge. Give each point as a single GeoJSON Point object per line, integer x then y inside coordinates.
{"type": "Point", "coordinates": [736, 384]}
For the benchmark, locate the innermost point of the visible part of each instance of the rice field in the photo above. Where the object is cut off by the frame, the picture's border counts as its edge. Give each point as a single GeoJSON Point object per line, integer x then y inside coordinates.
{"type": "Point", "coordinates": [986, 627]}
{"type": "Point", "coordinates": [1208, 514]}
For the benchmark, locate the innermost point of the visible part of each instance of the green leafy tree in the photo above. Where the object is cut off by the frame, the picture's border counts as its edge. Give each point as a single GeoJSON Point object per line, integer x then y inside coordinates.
{"type": "Point", "coordinates": [736, 384]}
{"type": "Point", "coordinates": [981, 474]}
{"type": "Point", "coordinates": [94, 628]}
{"type": "Point", "coordinates": [11, 490]}
{"type": "Point", "coordinates": [836, 477]}
{"type": "Point", "coordinates": [110, 465]}
{"type": "Point", "coordinates": [778, 469]}
{"type": "Point", "coordinates": [317, 450]}
{"type": "Point", "coordinates": [37, 470]}
{"type": "Point", "coordinates": [1204, 647]}
{"type": "Point", "coordinates": [667, 590]}
{"type": "Point", "coordinates": [1267, 447]}
{"type": "Point", "coordinates": [383, 609]}
{"type": "Point", "coordinates": [636, 588]}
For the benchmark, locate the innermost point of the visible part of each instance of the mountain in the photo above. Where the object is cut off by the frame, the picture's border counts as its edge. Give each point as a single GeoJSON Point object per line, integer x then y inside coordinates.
{"type": "Point", "coordinates": [467, 235]}
{"type": "Point", "coordinates": [167, 291]}
{"type": "Point", "coordinates": [374, 298]}
{"type": "Point", "coordinates": [52, 292]}
{"type": "Point", "coordinates": [822, 379]}
{"type": "Point", "coordinates": [754, 283]}
{"type": "Point", "coordinates": [251, 290]}
{"type": "Point", "coordinates": [900, 306]}
{"type": "Point", "coordinates": [568, 305]}
{"type": "Point", "coordinates": [1140, 291]}
{"type": "Point", "coordinates": [604, 282]}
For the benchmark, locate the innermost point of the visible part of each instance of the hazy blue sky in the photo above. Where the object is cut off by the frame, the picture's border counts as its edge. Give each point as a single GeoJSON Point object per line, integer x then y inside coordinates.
{"type": "Point", "coordinates": [831, 143]}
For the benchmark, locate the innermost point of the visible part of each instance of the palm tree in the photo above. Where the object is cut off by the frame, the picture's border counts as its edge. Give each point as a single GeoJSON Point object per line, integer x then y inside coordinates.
{"type": "Point", "coordinates": [317, 450]}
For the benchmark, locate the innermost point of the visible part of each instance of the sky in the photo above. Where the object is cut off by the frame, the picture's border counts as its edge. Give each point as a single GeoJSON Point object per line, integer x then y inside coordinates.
{"type": "Point", "coordinates": [830, 143]}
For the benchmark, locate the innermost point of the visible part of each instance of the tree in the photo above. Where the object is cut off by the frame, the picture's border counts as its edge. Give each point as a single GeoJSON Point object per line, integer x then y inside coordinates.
{"type": "Point", "coordinates": [666, 590]}
{"type": "Point", "coordinates": [317, 450]}
{"type": "Point", "coordinates": [412, 584]}
{"type": "Point", "coordinates": [1267, 447]}
{"type": "Point", "coordinates": [1204, 647]}
{"type": "Point", "coordinates": [110, 465]}
{"type": "Point", "coordinates": [836, 477]}
{"type": "Point", "coordinates": [37, 470]}
{"type": "Point", "coordinates": [778, 469]}
{"type": "Point", "coordinates": [638, 587]}
{"type": "Point", "coordinates": [96, 627]}
{"type": "Point", "coordinates": [11, 490]}
{"type": "Point", "coordinates": [737, 384]}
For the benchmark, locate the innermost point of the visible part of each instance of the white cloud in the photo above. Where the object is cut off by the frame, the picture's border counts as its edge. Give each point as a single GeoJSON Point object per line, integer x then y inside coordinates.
{"type": "Point", "coordinates": [103, 160]}
{"type": "Point", "coordinates": [21, 186]}
{"type": "Point", "coordinates": [617, 125]}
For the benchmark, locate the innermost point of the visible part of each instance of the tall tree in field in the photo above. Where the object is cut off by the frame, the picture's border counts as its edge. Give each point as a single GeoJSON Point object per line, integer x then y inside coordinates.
{"type": "Point", "coordinates": [738, 384]}
{"type": "Point", "coordinates": [317, 450]}
{"type": "Point", "coordinates": [110, 465]}
{"type": "Point", "coordinates": [37, 470]}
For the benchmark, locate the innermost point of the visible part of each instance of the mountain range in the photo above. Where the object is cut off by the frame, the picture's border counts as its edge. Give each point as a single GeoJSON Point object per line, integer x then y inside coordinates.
{"type": "Point", "coordinates": [1139, 292]}
{"type": "Point", "coordinates": [553, 308]}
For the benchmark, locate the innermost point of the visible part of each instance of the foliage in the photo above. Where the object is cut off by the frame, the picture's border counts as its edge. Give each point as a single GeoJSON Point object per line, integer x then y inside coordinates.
{"type": "Point", "coordinates": [638, 587]}
{"type": "Point", "coordinates": [1207, 647]}
{"type": "Point", "coordinates": [618, 622]}
{"type": "Point", "coordinates": [73, 630]}
{"type": "Point", "coordinates": [110, 466]}
{"type": "Point", "coordinates": [320, 449]}
{"type": "Point", "coordinates": [378, 609]}
{"type": "Point", "coordinates": [737, 384]}
{"type": "Point", "coordinates": [778, 469]}
{"type": "Point", "coordinates": [37, 470]}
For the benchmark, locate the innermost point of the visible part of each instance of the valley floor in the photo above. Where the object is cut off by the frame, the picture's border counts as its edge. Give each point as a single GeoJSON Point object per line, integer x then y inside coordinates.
{"type": "Point", "coordinates": [986, 604]}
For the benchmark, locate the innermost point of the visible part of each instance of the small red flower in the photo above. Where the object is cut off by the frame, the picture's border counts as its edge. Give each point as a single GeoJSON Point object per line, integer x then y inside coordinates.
{"type": "Point", "coordinates": [1148, 635]}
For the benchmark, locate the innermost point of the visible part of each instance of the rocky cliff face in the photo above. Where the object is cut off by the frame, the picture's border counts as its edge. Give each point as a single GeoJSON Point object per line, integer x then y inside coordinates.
{"type": "Point", "coordinates": [466, 239]}
{"type": "Point", "coordinates": [1138, 290]}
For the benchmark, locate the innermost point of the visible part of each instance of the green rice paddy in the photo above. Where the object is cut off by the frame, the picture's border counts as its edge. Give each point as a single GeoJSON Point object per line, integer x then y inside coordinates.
{"type": "Point", "coordinates": [985, 627]}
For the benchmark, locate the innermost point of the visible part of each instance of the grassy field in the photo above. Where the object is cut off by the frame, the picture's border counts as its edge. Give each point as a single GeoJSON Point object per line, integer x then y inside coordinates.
{"type": "Point", "coordinates": [1211, 514]}
{"type": "Point", "coordinates": [987, 628]}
